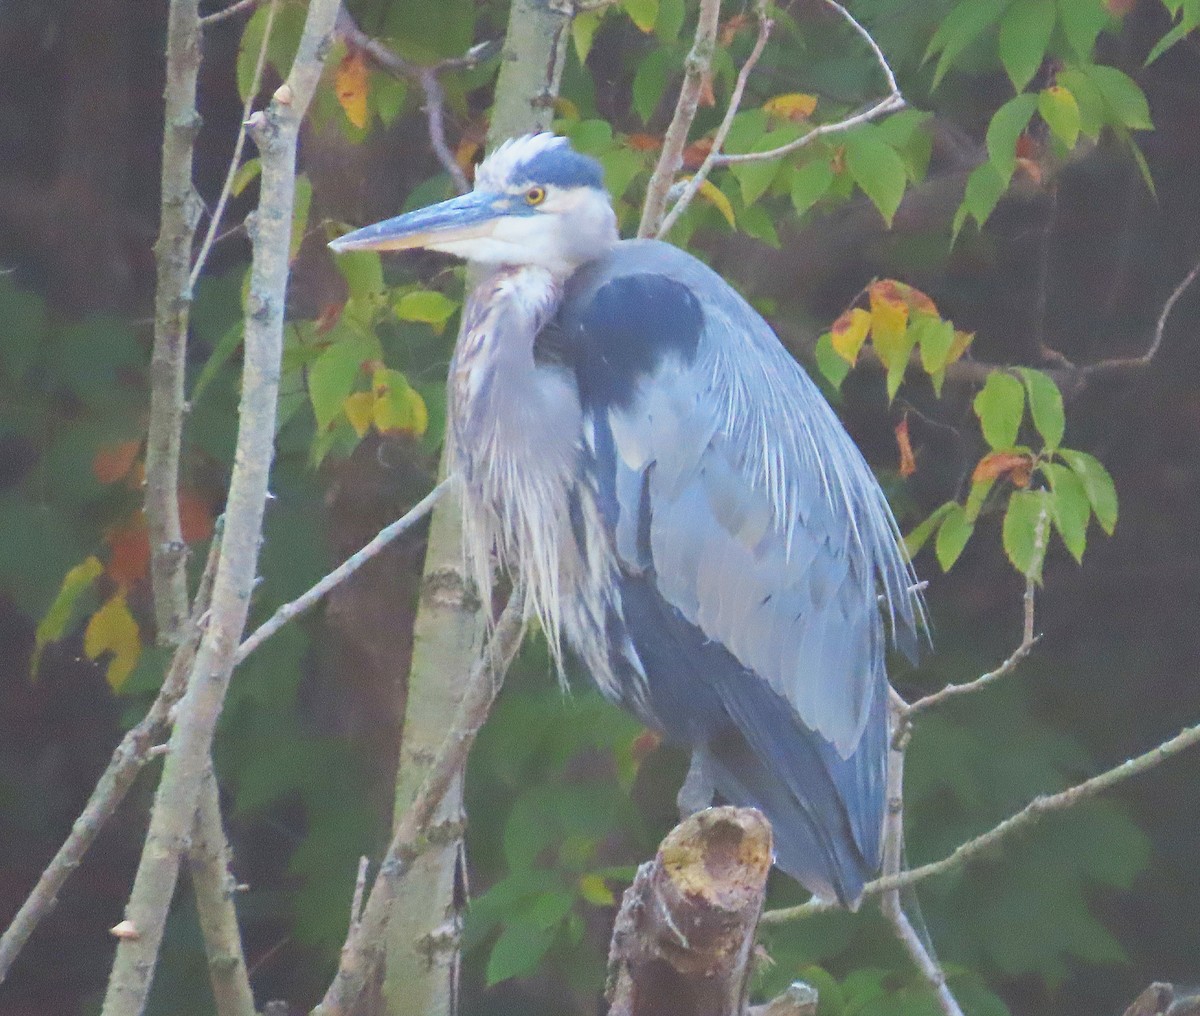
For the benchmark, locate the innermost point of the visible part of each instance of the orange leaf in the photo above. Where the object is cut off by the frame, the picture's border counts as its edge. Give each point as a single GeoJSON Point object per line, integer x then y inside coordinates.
{"type": "Point", "coordinates": [731, 28]}
{"type": "Point", "coordinates": [643, 142]}
{"type": "Point", "coordinates": [706, 96]}
{"type": "Point", "coordinates": [695, 153]}
{"type": "Point", "coordinates": [644, 744]}
{"type": "Point", "coordinates": [908, 464]}
{"type": "Point", "coordinates": [1027, 147]}
{"type": "Point", "coordinates": [328, 317]}
{"type": "Point", "coordinates": [794, 106]}
{"type": "Point", "coordinates": [1017, 466]}
{"type": "Point", "coordinates": [112, 629]}
{"type": "Point", "coordinates": [128, 552]}
{"type": "Point", "coordinates": [195, 516]}
{"type": "Point", "coordinates": [1119, 8]}
{"type": "Point", "coordinates": [849, 332]}
{"type": "Point", "coordinates": [351, 83]}
{"type": "Point", "coordinates": [112, 462]}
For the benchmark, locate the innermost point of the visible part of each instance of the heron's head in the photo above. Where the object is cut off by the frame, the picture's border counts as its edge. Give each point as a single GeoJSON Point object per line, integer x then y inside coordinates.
{"type": "Point", "coordinates": [536, 202]}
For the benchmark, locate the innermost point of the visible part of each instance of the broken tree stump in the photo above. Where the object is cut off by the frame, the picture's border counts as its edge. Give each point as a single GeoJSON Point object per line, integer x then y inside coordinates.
{"type": "Point", "coordinates": [684, 936]}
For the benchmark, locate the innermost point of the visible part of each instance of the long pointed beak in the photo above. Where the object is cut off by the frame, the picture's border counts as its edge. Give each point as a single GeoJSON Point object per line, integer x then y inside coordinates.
{"type": "Point", "coordinates": [467, 217]}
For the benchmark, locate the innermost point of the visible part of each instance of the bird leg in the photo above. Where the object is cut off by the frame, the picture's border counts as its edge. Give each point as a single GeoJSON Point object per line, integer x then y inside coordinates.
{"type": "Point", "coordinates": [697, 790]}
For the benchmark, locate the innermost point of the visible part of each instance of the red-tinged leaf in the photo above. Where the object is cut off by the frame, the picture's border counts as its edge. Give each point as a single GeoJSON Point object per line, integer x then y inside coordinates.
{"type": "Point", "coordinates": [351, 84]}
{"type": "Point", "coordinates": [695, 153]}
{"type": "Point", "coordinates": [644, 744]}
{"type": "Point", "coordinates": [889, 318]}
{"type": "Point", "coordinates": [329, 316]}
{"type": "Point", "coordinates": [639, 141]}
{"type": "Point", "coordinates": [918, 302]}
{"type": "Point", "coordinates": [54, 625]}
{"type": "Point", "coordinates": [908, 464]}
{"type": "Point", "coordinates": [129, 552]}
{"type": "Point", "coordinates": [849, 332]}
{"type": "Point", "coordinates": [730, 28]}
{"type": "Point", "coordinates": [794, 106]}
{"type": "Point", "coordinates": [195, 516]}
{"type": "Point", "coordinates": [113, 462]}
{"type": "Point", "coordinates": [112, 629]}
{"type": "Point", "coordinates": [1017, 467]}
{"type": "Point", "coordinates": [706, 96]}
{"type": "Point", "coordinates": [962, 342]}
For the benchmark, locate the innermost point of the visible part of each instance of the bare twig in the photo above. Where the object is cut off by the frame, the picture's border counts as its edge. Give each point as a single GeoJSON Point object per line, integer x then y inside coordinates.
{"type": "Point", "coordinates": [692, 186]}
{"type": "Point", "coordinates": [214, 888]}
{"type": "Point", "coordinates": [360, 887]}
{"type": "Point", "coordinates": [696, 68]}
{"type": "Point", "coordinates": [1027, 816]}
{"type": "Point", "coordinates": [339, 574]}
{"type": "Point", "coordinates": [275, 131]}
{"type": "Point", "coordinates": [891, 102]}
{"type": "Point", "coordinates": [428, 78]}
{"type": "Point", "coordinates": [235, 160]}
{"type": "Point", "coordinates": [172, 303]}
{"type": "Point", "coordinates": [137, 747]}
{"type": "Point", "coordinates": [231, 11]}
{"type": "Point", "coordinates": [365, 942]}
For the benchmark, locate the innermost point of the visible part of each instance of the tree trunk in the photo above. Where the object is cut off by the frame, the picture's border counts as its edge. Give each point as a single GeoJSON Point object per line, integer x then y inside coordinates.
{"type": "Point", "coordinates": [422, 955]}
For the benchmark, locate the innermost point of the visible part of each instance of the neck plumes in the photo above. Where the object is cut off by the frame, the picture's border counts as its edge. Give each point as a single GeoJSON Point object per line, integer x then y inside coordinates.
{"type": "Point", "coordinates": [514, 428]}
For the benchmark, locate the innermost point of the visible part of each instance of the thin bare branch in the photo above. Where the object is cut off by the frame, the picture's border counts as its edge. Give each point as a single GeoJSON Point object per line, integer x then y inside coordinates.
{"type": "Point", "coordinates": [275, 131]}
{"type": "Point", "coordinates": [172, 304]}
{"type": "Point", "coordinates": [1027, 816]}
{"type": "Point", "coordinates": [231, 11]}
{"type": "Point", "coordinates": [137, 747]}
{"type": "Point", "coordinates": [214, 888]}
{"type": "Point", "coordinates": [692, 186]}
{"type": "Point", "coordinates": [428, 78]}
{"type": "Point", "coordinates": [925, 962]}
{"type": "Point", "coordinates": [342, 572]}
{"type": "Point", "coordinates": [365, 942]}
{"type": "Point", "coordinates": [697, 67]}
{"type": "Point", "coordinates": [235, 160]}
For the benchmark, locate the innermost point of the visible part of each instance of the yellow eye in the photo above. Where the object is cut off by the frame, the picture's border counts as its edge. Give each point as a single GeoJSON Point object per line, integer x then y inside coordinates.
{"type": "Point", "coordinates": [535, 195]}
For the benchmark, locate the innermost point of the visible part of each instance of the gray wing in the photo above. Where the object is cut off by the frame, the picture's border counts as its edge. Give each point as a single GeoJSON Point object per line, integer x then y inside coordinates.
{"type": "Point", "coordinates": [735, 486]}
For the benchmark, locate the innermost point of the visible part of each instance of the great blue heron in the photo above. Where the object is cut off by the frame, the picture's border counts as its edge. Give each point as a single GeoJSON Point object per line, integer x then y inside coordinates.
{"type": "Point", "coordinates": [686, 510]}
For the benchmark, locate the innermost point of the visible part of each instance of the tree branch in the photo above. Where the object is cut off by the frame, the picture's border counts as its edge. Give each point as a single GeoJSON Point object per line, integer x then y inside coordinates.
{"type": "Point", "coordinates": [228, 12]}
{"type": "Point", "coordinates": [364, 946]}
{"type": "Point", "coordinates": [696, 69]}
{"type": "Point", "coordinates": [1027, 816]}
{"type": "Point", "coordinates": [127, 761]}
{"type": "Point", "coordinates": [275, 131]}
{"type": "Point", "coordinates": [692, 186]}
{"type": "Point", "coordinates": [893, 101]}
{"type": "Point", "coordinates": [684, 936]}
{"type": "Point", "coordinates": [342, 572]}
{"type": "Point", "coordinates": [214, 888]}
{"type": "Point", "coordinates": [172, 303]}
{"type": "Point", "coordinates": [235, 160]}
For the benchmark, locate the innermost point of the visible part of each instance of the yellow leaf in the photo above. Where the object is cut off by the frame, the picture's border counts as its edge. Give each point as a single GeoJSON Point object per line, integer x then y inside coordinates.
{"type": "Point", "coordinates": [112, 629]}
{"type": "Point", "coordinates": [849, 332]}
{"type": "Point", "coordinates": [962, 341]}
{"type": "Point", "coordinates": [52, 626]}
{"type": "Point", "coordinates": [794, 106]}
{"type": "Point", "coordinates": [358, 408]}
{"type": "Point", "coordinates": [712, 194]}
{"type": "Point", "coordinates": [351, 84]}
{"type": "Point", "coordinates": [889, 318]}
{"type": "Point", "coordinates": [397, 405]}
{"type": "Point", "coordinates": [592, 888]}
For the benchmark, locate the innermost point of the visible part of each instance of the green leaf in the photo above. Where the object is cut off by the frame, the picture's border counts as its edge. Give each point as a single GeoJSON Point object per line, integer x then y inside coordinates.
{"type": "Point", "coordinates": [643, 13]}
{"type": "Point", "coordinates": [985, 186]}
{"type": "Point", "coordinates": [671, 15]}
{"type": "Point", "coordinates": [246, 172]}
{"type": "Point", "coordinates": [1101, 491]}
{"type": "Point", "coordinates": [427, 306]}
{"type": "Point", "coordinates": [920, 534]}
{"type": "Point", "coordinates": [388, 95]}
{"type": "Point", "coordinates": [1121, 94]}
{"type": "Point", "coordinates": [755, 177]}
{"type": "Point", "coordinates": [1081, 21]}
{"type": "Point", "coordinates": [363, 272]}
{"type": "Point", "coordinates": [300, 208]}
{"type": "Point", "coordinates": [878, 170]}
{"type": "Point", "coordinates": [962, 26]}
{"type": "Point", "coordinates": [1061, 113]}
{"type": "Point", "coordinates": [650, 81]}
{"type": "Point", "coordinates": [583, 31]}
{"type": "Point", "coordinates": [281, 48]}
{"type": "Point", "coordinates": [1093, 111]}
{"type": "Point", "coordinates": [756, 221]}
{"type": "Point", "coordinates": [24, 317]}
{"type": "Point", "coordinates": [934, 338]}
{"type": "Point", "coordinates": [1026, 531]}
{"type": "Point", "coordinates": [517, 951]}
{"type": "Point", "coordinates": [1071, 509]}
{"type": "Point", "coordinates": [1000, 405]}
{"type": "Point", "coordinates": [810, 183]}
{"type": "Point", "coordinates": [226, 346]}
{"type": "Point", "coordinates": [1177, 33]}
{"type": "Point", "coordinates": [1005, 129]}
{"type": "Point", "coordinates": [54, 624]}
{"type": "Point", "coordinates": [1024, 35]}
{"type": "Point", "coordinates": [977, 496]}
{"type": "Point", "coordinates": [1046, 406]}
{"type": "Point", "coordinates": [830, 363]}
{"type": "Point", "coordinates": [952, 537]}
{"type": "Point", "coordinates": [331, 377]}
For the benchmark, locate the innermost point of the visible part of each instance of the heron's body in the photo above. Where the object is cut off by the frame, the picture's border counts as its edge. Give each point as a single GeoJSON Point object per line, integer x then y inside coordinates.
{"type": "Point", "coordinates": [689, 517]}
